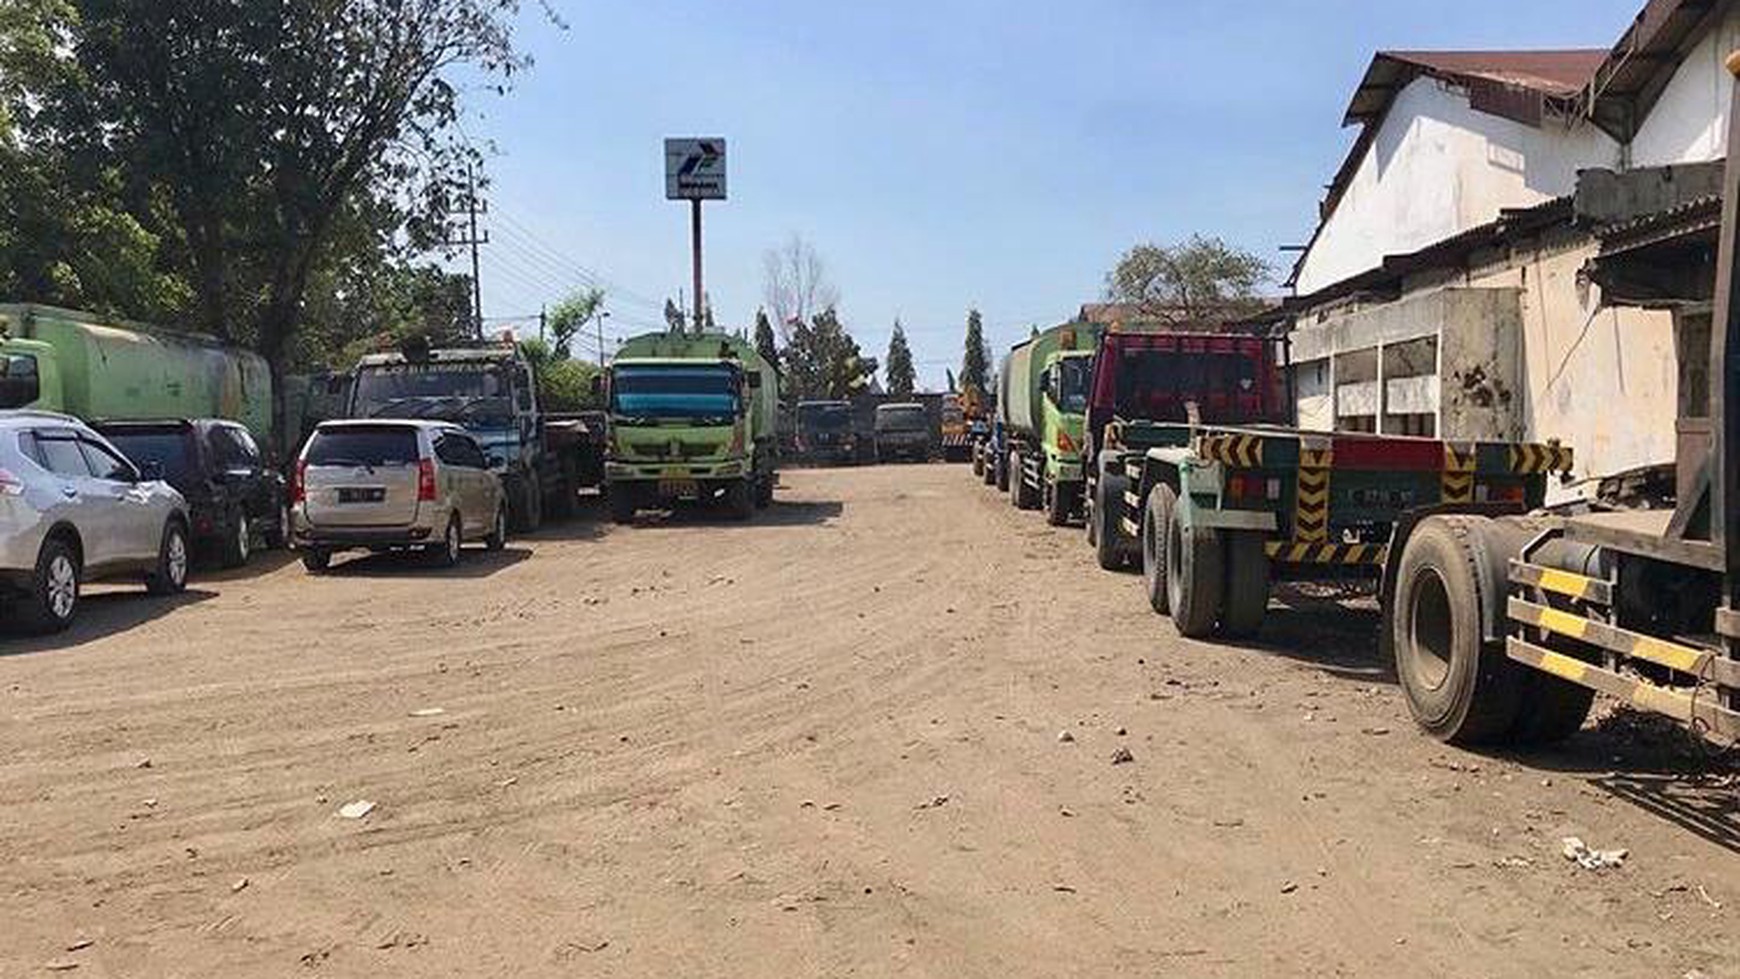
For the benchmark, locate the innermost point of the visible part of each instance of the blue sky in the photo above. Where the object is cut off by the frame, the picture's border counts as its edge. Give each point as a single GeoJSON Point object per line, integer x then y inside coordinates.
{"type": "Point", "coordinates": [939, 155]}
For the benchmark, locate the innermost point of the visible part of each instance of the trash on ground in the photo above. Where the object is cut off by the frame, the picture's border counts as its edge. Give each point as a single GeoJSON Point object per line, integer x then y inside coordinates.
{"type": "Point", "coordinates": [1589, 858]}
{"type": "Point", "coordinates": [356, 810]}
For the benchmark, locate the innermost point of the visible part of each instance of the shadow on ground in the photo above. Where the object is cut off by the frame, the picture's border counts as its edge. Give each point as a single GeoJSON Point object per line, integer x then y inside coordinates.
{"type": "Point", "coordinates": [782, 513]}
{"type": "Point", "coordinates": [100, 614]}
{"type": "Point", "coordinates": [476, 563]}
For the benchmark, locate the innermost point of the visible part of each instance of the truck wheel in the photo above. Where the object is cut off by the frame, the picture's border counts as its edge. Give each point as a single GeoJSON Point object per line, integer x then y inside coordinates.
{"type": "Point", "coordinates": [987, 467]}
{"type": "Point", "coordinates": [1012, 481]}
{"type": "Point", "coordinates": [978, 464]}
{"type": "Point", "coordinates": [532, 512]}
{"type": "Point", "coordinates": [238, 541]}
{"type": "Point", "coordinates": [621, 498]}
{"type": "Point", "coordinates": [169, 575]}
{"type": "Point", "coordinates": [1106, 522]}
{"type": "Point", "coordinates": [1247, 586]}
{"type": "Point", "coordinates": [278, 535]}
{"type": "Point", "coordinates": [1156, 517]}
{"type": "Point", "coordinates": [1550, 709]}
{"type": "Point", "coordinates": [1459, 687]}
{"type": "Point", "coordinates": [1057, 505]}
{"type": "Point", "coordinates": [764, 492]}
{"type": "Point", "coordinates": [54, 588]}
{"type": "Point", "coordinates": [562, 503]}
{"type": "Point", "coordinates": [1001, 461]}
{"type": "Point", "coordinates": [316, 560]}
{"type": "Point", "coordinates": [739, 500]}
{"type": "Point", "coordinates": [1195, 574]}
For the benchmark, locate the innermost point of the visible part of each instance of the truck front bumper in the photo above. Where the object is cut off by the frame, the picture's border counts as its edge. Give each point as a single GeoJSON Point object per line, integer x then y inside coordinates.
{"type": "Point", "coordinates": [619, 471]}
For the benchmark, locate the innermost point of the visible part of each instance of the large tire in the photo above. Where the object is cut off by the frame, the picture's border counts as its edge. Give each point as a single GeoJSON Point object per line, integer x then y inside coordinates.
{"type": "Point", "coordinates": [623, 502]}
{"type": "Point", "coordinates": [739, 500]}
{"type": "Point", "coordinates": [978, 463]}
{"type": "Point", "coordinates": [533, 513]}
{"type": "Point", "coordinates": [452, 547]}
{"type": "Point", "coordinates": [169, 575]}
{"type": "Point", "coordinates": [1106, 522]}
{"type": "Point", "coordinates": [1001, 464]}
{"type": "Point", "coordinates": [1247, 585]}
{"type": "Point", "coordinates": [764, 492]}
{"type": "Point", "coordinates": [277, 536]}
{"type": "Point", "coordinates": [1550, 709]}
{"type": "Point", "coordinates": [53, 601]}
{"type": "Point", "coordinates": [238, 540]}
{"type": "Point", "coordinates": [1156, 517]}
{"type": "Point", "coordinates": [562, 502]}
{"type": "Point", "coordinates": [1195, 576]}
{"type": "Point", "coordinates": [1012, 481]}
{"type": "Point", "coordinates": [1058, 507]}
{"type": "Point", "coordinates": [316, 560]}
{"type": "Point", "coordinates": [1459, 687]}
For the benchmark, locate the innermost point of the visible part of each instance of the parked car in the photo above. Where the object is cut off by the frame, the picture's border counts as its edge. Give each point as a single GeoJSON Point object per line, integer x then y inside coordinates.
{"type": "Point", "coordinates": [74, 509]}
{"type": "Point", "coordinates": [232, 495]}
{"type": "Point", "coordinates": [394, 485]}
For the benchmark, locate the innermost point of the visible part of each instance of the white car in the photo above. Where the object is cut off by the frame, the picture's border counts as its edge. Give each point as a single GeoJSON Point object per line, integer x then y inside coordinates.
{"type": "Point", "coordinates": [388, 485]}
{"type": "Point", "coordinates": [72, 510]}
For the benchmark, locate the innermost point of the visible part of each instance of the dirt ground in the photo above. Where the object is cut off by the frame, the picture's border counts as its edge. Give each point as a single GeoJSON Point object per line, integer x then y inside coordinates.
{"type": "Point", "coordinates": [826, 743]}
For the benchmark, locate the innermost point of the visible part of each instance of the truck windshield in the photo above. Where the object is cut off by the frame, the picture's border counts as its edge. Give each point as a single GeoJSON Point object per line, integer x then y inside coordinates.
{"type": "Point", "coordinates": [1156, 384]}
{"type": "Point", "coordinates": [824, 418]}
{"type": "Point", "coordinates": [451, 391]}
{"type": "Point", "coordinates": [903, 418]}
{"type": "Point", "coordinates": [167, 448]}
{"type": "Point", "coordinates": [1073, 375]}
{"type": "Point", "coordinates": [698, 393]}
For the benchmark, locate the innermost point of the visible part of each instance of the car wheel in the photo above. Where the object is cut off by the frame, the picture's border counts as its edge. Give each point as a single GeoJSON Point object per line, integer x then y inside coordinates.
{"type": "Point", "coordinates": [54, 588]}
{"type": "Point", "coordinates": [170, 575]}
{"type": "Point", "coordinates": [446, 554]}
{"type": "Point", "coordinates": [316, 559]}
{"type": "Point", "coordinates": [497, 538]}
{"type": "Point", "coordinates": [239, 541]}
{"type": "Point", "coordinates": [278, 535]}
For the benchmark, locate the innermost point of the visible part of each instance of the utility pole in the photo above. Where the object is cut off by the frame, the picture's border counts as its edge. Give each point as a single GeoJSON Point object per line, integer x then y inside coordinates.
{"type": "Point", "coordinates": [543, 317]}
{"type": "Point", "coordinates": [602, 316]}
{"type": "Point", "coordinates": [473, 207]}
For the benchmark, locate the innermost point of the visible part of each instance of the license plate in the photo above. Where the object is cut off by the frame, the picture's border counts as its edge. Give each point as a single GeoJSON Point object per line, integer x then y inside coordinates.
{"type": "Point", "coordinates": [679, 487]}
{"type": "Point", "coordinates": [361, 495]}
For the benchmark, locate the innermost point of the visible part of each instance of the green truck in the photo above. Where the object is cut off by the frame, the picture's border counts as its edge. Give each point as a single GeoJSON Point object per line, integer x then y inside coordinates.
{"type": "Point", "coordinates": [1042, 405]}
{"type": "Point", "coordinates": [692, 417]}
{"type": "Point", "coordinates": [85, 365]}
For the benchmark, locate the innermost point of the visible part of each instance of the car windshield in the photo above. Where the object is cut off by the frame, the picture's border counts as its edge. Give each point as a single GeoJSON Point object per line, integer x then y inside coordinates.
{"type": "Point", "coordinates": [1073, 376]}
{"type": "Point", "coordinates": [353, 445]}
{"type": "Point", "coordinates": [824, 418]}
{"type": "Point", "coordinates": [168, 449]}
{"type": "Point", "coordinates": [454, 391]}
{"type": "Point", "coordinates": [903, 418]}
{"type": "Point", "coordinates": [697, 393]}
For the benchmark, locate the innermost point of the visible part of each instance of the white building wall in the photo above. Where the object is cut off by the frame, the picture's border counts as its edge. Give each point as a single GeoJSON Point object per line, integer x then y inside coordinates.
{"type": "Point", "coordinates": [1689, 123]}
{"type": "Point", "coordinates": [1437, 168]}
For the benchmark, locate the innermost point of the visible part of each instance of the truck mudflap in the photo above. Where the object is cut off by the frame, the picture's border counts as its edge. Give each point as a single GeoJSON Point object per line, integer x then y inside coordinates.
{"type": "Point", "coordinates": [1562, 623]}
{"type": "Point", "coordinates": [1318, 553]}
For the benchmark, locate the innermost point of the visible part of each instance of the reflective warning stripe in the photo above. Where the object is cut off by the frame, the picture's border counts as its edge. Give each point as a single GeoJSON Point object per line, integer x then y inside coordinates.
{"type": "Point", "coordinates": [1532, 458]}
{"type": "Point", "coordinates": [1131, 527]}
{"type": "Point", "coordinates": [1311, 552]}
{"type": "Point", "coordinates": [1724, 724]}
{"type": "Point", "coordinates": [1132, 500]}
{"type": "Point", "coordinates": [1694, 662]}
{"type": "Point", "coordinates": [1311, 506]}
{"type": "Point", "coordinates": [1458, 478]}
{"type": "Point", "coordinates": [1241, 451]}
{"type": "Point", "coordinates": [1566, 583]}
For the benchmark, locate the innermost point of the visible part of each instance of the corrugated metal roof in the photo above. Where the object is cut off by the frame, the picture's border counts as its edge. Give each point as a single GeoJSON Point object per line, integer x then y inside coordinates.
{"type": "Point", "coordinates": [1639, 66]}
{"type": "Point", "coordinates": [1553, 74]}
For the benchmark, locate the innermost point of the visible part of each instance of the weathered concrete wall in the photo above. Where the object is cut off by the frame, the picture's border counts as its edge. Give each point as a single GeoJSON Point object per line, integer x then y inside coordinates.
{"type": "Point", "coordinates": [1480, 365]}
{"type": "Point", "coordinates": [1689, 123]}
{"type": "Point", "coordinates": [1438, 168]}
{"type": "Point", "coordinates": [1601, 379]}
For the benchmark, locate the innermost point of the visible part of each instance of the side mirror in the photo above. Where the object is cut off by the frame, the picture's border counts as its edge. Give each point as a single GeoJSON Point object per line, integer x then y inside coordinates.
{"type": "Point", "coordinates": [598, 385]}
{"type": "Point", "coordinates": [494, 461]}
{"type": "Point", "coordinates": [152, 472]}
{"type": "Point", "coordinates": [755, 381]}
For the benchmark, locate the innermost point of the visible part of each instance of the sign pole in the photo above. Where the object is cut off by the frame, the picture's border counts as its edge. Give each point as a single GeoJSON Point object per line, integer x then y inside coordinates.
{"type": "Point", "coordinates": [695, 233]}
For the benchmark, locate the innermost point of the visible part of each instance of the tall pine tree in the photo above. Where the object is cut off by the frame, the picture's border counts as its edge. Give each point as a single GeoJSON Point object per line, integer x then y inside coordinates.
{"type": "Point", "coordinates": [901, 379]}
{"type": "Point", "coordinates": [976, 363]}
{"type": "Point", "coordinates": [764, 341]}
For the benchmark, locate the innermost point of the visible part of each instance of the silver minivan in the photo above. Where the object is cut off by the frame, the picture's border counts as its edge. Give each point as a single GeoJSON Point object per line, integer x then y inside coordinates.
{"type": "Point", "coordinates": [73, 510]}
{"type": "Point", "coordinates": [392, 485]}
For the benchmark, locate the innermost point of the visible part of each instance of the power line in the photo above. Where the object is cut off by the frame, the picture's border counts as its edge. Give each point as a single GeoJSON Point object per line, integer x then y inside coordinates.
{"type": "Point", "coordinates": [520, 230]}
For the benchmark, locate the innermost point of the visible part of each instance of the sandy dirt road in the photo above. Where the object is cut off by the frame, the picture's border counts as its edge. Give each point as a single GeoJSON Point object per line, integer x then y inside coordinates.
{"type": "Point", "coordinates": [826, 743]}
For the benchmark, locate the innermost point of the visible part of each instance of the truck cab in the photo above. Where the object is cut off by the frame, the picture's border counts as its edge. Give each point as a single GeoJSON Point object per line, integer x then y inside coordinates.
{"type": "Point", "coordinates": [692, 418]}
{"type": "Point", "coordinates": [488, 390]}
{"type": "Point", "coordinates": [824, 431]}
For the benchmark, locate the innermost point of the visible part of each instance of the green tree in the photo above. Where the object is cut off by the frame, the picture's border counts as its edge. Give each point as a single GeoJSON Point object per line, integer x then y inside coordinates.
{"type": "Point", "coordinates": [568, 317]}
{"type": "Point", "coordinates": [765, 342]}
{"type": "Point", "coordinates": [564, 384]}
{"type": "Point", "coordinates": [898, 369]}
{"type": "Point", "coordinates": [976, 362]}
{"type": "Point", "coordinates": [280, 140]}
{"type": "Point", "coordinates": [823, 362]}
{"type": "Point", "coordinates": [1201, 278]}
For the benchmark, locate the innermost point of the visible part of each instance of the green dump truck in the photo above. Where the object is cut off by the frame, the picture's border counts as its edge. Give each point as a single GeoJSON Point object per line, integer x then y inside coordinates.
{"type": "Point", "coordinates": [692, 417]}
{"type": "Point", "coordinates": [1042, 404]}
{"type": "Point", "coordinates": [84, 365]}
